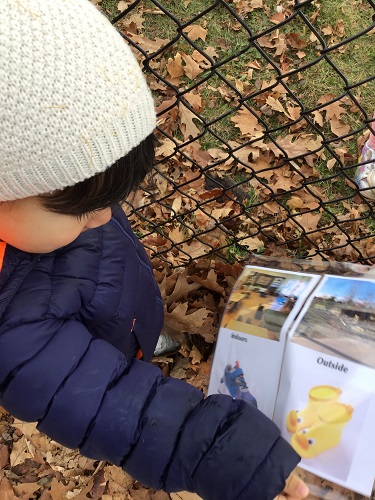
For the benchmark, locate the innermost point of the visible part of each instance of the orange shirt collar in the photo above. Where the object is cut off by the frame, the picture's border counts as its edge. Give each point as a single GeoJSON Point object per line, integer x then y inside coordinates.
{"type": "Point", "coordinates": [2, 252]}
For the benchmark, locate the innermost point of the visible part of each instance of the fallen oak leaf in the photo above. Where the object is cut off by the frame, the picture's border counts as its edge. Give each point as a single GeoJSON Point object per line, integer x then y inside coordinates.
{"type": "Point", "coordinates": [189, 129]}
{"type": "Point", "coordinates": [210, 282]}
{"type": "Point", "coordinates": [309, 221]}
{"type": "Point", "coordinates": [331, 163]}
{"type": "Point", "coordinates": [167, 148]}
{"type": "Point", "coordinates": [199, 376]}
{"type": "Point", "coordinates": [194, 31]}
{"type": "Point", "coordinates": [180, 367]}
{"type": "Point", "coordinates": [175, 67]}
{"type": "Point", "coordinates": [333, 110]}
{"type": "Point", "coordinates": [58, 489]}
{"type": "Point", "coordinates": [121, 6]}
{"type": "Point", "coordinates": [327, 30]}
{"type": "Point", "coordinates": [318, 118]}
{"type": "Point", "coordinates": [28, 429]}
{"type": "Point", "coordinates": [275, 104]}
{"type": "Point", "coordinates": [22, 450]}
{"type": "Point", "coordinates": [339, 128]}
{"type": "Point", "coordinates": [293, 112]}
{"type": "Point", "coordinates": [339, 28]}
{"type": "Point", "coordinates": [180, 321]}
{"type": "Point", "coordinates": [280, 45]}
{"type": "Point", "coordinates": [191, 68]}
{"type": "Point", "coordinates": [118, 480]}
{"type": "Point", "coordinates": [211, 52]}
{"type": "Point", "coordinates": [195, 355]}
{"type": "Point", "coordinates": [4, 456]}
{"type": "Point", "coordinates": [195, 150]}
{"type": "Point", "coordinates": [295, 41]}
{"type": "Point", "coordinates": [277, 18]}
{"type": "Point", "coordinates": [292, 148]}
{"type": "Point", "coordinates": [195, 101]}
{"type": "Point", "coordinates": [149, 45]}
{"type": "Point", "coordinates": [181, 290]}
{"type": "Point", "coordinates": [252, 243]}
{"type": "Point", "coordinates": [6, 489]}
{"type": "Point", "coordinates": [295, 202]}
{"type": "Point", "coordinates": [25, 491]}
{"type": "Point", "coordinates": [254, 64]}
{"type": "Point", "coordinates": [247, 122]}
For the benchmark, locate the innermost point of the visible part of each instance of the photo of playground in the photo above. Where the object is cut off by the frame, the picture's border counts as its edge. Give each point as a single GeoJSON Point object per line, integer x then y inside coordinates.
{"type": "Point", "coordinates": [261, 302]}
{"type": "Point", "coordinates": [340, 320]}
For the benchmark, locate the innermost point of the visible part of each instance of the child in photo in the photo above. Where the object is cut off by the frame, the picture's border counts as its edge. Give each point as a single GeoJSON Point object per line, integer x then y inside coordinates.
{"type": "Point", "coordinates": [80, 310]}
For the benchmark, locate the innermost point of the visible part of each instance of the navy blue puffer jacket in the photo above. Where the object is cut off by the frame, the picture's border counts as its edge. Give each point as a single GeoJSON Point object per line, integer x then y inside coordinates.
{"type": "Point", "coordinates": [71, 323]}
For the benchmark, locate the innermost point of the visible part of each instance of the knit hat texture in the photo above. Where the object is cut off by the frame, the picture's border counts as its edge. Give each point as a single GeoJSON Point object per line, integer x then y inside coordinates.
{"type": "Point", "coordinates": [73, 99]}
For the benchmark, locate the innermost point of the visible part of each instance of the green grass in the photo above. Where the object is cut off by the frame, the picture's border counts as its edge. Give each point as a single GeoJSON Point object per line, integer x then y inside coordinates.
{"type": "Point", "coordinates": [225, 35]}
{"type": "Point", "coordinates": [228, 38]}
{"type": "Point", "coordinates": [109, 7]}
{"type": "Point", "coordinates": [356, 62]}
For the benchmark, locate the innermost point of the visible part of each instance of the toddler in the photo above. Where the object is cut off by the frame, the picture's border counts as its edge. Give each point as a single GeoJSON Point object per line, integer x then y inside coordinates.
{"type": "Point", "coordinates": [80, 310]}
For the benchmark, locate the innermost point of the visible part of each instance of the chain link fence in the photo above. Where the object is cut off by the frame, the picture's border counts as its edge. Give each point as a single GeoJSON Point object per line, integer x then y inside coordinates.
{"type": "Point", "coordinates": [262, 113]}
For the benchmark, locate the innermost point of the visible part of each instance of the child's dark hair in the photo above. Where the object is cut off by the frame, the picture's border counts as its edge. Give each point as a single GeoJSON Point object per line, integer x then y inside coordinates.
{"type": "Point", "coordinates": [107, 188]}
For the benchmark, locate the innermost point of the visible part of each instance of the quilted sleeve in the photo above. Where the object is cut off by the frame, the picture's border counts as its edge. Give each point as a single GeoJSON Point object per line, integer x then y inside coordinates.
{"type": "Point", "coordinates": [84, 394]}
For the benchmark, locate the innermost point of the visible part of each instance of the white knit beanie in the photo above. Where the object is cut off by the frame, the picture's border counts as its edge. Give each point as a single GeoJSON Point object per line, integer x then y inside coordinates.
{"type": "Point", "coordinates": [73, 99]}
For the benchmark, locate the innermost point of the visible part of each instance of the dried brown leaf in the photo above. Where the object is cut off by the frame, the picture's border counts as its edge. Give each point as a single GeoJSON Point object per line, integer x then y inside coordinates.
{"type": "Point", "coordinates": [277, 18]}
{"type": "Point", "coordinates": [4, 455]}
{"type": "Point", "coordinates": [149, 45]}
{"type": "Point", "coordinates": [339, 128]}
{"type": "Point", "coordinates": [181, 290]}
{"type": "Point", "coordinates": [188, 129]}
{"type": "Point", "coordinates": [295, 202]}
{"type": "Point", "coordinates": [327, 30]}
{"type": "Point", "coordinates": [318, 118]}
{"type": "Point", "coordinates": [175, 67]}
{"type": "Point", "coordinates": [22, 450]}
{"type": "Point", "coordinates": [6, 490]}
{"type": "Point", "coordinates": [210, 282]}
{"type": "Point", "coordinates": [294, 40]}
{"type": "Point", "coordinates": [118, 480]}
{"type": "Point", "coordinates": [252, 243]}
{"type": "Point", "coordinates": [331, 163]}
{"type": "Point", "coordinates": [195, 356]}
{"type": "Point", "coordinates": [308, 221]}
{"type": "Point", "coordinates": [194, 31]}
{"type": "Point", "coordinates": [293, 112]}
{"type": "Point", "coordinates": [293, 146]}
{"type": "Point", "coordinates": [121, 6]}
{"type": "Point", "coordinates": [195, 100]}
{"type": "Point", "coordinates": [180, 320]}
{"type": "Point", "coordinates": [333, 110]}
{"type": "Point", "coordinates": [58, 489]}
{"type": "Point", "coordinates": [275, 104]}
{"type": "Point", "coordinates": [191, 68]}
{"type": "Point", "coordinates": [247, 123]}
{"type": "Point", "coordinates": [25, 491]}
{"type": "Point", "coordinates": [280, 45]}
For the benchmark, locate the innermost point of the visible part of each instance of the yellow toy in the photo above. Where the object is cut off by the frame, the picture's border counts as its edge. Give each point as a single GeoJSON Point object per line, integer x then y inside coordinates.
{"type": "Point", "coordinates": [325, 432]}
{"type": "Point", "coordinates": [319, 395]}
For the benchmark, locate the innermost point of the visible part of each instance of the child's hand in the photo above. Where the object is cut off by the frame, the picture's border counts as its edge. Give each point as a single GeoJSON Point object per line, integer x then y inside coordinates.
{"type": "Point", "coordinates": [295, 489]}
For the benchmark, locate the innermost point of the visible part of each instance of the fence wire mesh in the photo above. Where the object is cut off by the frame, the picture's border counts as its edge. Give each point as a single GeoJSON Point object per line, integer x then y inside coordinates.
{"type": "Point", "coordinates": [263, 109]}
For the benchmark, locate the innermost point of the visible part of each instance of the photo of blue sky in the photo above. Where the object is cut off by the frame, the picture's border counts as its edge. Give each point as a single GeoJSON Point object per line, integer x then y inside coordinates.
{"type": "Point", "coordinates": [348, 289]}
